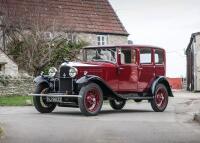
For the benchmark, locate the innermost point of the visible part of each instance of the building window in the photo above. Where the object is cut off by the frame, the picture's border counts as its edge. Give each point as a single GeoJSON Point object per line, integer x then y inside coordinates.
{"type": "Point", "coordinates": [72, 37]}
{"type": "Point", "coordinates": [48, 35]}
{"type": "Point", "coordinates": [102, 40]}
{"type": "Point", "coordinates": [2, 67]}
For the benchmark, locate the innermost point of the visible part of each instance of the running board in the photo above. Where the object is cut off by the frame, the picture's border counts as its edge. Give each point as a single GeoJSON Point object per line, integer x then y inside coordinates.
{"type": "Point", "coordinates": [56, 95]}
{"type": "Point", "coordinates": [134, 97]}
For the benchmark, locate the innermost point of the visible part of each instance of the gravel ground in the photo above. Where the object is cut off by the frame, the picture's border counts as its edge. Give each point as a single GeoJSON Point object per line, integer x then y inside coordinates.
{"type": "Point", "coordinates": [135, 123]}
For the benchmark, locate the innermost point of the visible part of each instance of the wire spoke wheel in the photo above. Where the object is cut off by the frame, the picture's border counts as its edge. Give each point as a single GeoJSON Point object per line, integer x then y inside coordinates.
{"type": "Point", "coordinates": [160, 100]}
{"type": "Point", "coordinates": [41, 103]}
{"type": "Point", "coordinates": [92, 99]}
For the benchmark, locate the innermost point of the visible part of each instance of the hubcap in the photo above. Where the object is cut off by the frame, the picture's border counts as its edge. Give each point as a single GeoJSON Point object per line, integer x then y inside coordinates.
{"type": "Point", "coordinates": [118, 102]}
{"type": "Point", "coordinates": [92, 100]}
{"type": "Point", "coordinates": [160, 98]}
{"type": "Point", "coordinates": [43, 99]}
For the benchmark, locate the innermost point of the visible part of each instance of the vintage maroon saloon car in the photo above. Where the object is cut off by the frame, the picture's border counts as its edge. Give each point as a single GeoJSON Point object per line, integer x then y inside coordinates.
{"type": "Point", "coordinates": [114, 73]}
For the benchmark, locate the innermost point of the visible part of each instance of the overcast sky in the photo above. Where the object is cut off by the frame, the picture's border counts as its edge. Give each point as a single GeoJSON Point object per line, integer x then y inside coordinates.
{"type": "Point", "coordinates": [165, 23]}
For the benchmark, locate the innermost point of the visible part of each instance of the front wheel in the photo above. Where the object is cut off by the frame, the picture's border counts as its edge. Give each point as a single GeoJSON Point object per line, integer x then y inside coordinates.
{"type": "Point", "coordinates": [92, 99]}
{"type": "Point", "coordinates": [40, 102]}
{"type": "Point", "coordinates": [117, 105]}
{"type": "Point", "coordinates": [160, 99]}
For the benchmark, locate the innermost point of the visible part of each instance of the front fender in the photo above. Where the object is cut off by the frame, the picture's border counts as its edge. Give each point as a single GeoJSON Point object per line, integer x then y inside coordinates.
{"type": "Point", "coordinates": [40, 80]}
{"type": "Point", "coordinates": [107, 91]}
{"type": "Point", "coordinates": [164, 81]}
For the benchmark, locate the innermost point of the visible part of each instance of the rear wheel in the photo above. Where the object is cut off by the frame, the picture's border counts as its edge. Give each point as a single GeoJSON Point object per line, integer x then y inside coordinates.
{"type": "Point", "coordinates": [138, 100]}
{"type": "Point", "coordinates": [92, 99]}
{"type": "Point", "coordinates": [40, 102]}
{"type": "Point", "coordinates": [160, 100]}
{"type": "Point", "coordinates": [117, 105]}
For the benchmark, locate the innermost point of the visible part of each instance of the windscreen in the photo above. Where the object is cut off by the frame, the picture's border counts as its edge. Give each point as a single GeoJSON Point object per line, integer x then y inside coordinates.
{"type": "Point", "coordinates": [101, 54]}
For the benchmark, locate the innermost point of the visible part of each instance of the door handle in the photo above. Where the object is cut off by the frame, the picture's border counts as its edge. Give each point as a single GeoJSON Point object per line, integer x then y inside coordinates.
{"type": "Point", "coordinates": [119, 69]}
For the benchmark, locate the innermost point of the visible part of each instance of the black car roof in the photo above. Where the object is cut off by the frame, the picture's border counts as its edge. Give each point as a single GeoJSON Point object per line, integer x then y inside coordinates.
{"type": "Point", "coordinates": [124, 46]}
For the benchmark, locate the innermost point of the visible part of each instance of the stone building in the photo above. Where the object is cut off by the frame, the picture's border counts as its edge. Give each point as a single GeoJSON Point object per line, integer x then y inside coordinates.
{"type": "Point", "coordinates": [193, 63]}
{"type": "Point", "coordinates": [7, 66]}
{"type": "Point", "coordinates": [93, 21]}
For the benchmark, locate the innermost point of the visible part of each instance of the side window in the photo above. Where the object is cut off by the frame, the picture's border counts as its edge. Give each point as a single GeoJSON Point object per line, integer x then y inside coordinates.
{"type": "Point", "coordinates": [128, 56]}
{"type": "Point", "coordinates": [159, 57]}
{"type": "Point", "coordinates": [133, 57]}
{"type": "Point", "coordinates": [145, 56]}
{"type": "Point", "coordinates": [125, 56]}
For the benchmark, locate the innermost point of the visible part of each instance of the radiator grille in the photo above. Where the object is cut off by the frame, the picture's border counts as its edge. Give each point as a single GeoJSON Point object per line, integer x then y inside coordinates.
{"type": "Point", "coordinates": [66, 85]}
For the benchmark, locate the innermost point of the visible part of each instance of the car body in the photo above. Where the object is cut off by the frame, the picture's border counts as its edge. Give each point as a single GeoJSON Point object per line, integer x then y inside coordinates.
{"type": "Point", "coordinates": [114, 73]}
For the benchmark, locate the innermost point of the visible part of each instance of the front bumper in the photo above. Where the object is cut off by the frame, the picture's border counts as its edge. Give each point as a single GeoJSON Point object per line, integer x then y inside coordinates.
{"type": "Point", "coordinates": [56, 95]}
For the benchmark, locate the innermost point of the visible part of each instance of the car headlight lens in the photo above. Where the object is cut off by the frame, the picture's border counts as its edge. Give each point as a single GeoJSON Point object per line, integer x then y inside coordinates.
{"type": "Point", "coordinates": [73, 72]}
{"type": "Point", "coordinates": [52, 71]}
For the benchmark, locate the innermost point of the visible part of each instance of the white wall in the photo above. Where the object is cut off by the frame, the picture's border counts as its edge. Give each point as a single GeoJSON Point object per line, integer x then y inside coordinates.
{"type": "Point", "coordinates": [197, 67]}
{"type": "Point", "coordinates": [10, 67]}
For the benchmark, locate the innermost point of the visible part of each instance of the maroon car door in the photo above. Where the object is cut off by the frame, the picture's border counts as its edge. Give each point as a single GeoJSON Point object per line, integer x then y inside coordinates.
{"type": "Point", "coordinates": [146, 72]}
{"type": "Point", "coordinates": [127, 70]}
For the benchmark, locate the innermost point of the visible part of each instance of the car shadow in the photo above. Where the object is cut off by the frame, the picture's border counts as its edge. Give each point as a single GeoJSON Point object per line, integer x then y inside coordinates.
{"type": "Point", "coordinates": [123, 111]}
{"type": "Point", "coordinates": [103, 112]}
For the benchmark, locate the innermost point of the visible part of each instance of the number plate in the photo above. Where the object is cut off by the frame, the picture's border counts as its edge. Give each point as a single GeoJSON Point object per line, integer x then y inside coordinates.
{"type": "Point", "coordinates": [54, 99]}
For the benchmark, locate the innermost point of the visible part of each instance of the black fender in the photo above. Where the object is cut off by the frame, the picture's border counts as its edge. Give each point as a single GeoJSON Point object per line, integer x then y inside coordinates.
{"type": "Point", "coordinates": [41, 80]}
{"type": "Point", "coordinates": [107, 91]}
{"type": "Point", "coordinates": [163, 80]}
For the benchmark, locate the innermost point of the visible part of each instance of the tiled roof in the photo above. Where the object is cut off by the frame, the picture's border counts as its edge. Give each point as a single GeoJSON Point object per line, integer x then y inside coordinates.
{"type": "Point", "coordinates": [93, 16]}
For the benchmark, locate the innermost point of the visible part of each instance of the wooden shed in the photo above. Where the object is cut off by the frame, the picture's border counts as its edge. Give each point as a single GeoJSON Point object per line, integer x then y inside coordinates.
{"type": "Point", "coordinates": [193, 63]}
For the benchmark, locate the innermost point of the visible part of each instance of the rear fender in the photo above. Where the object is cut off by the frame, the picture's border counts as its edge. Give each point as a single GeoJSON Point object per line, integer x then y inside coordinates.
{"type": "Point", "coordinates": [107, 91]}
{"type": "Point", "coordinates": [164, 81]}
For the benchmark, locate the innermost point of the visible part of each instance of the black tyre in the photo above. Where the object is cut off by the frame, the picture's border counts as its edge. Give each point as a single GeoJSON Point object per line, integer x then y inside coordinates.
{"type": "Point", "coordinates": [40, 102]}
{"type": "Point", "coordinates": [160, 99]}
{"type": "Point", "coordinates": [138, 100]}
{"type": "Point", "coordinates": [117, 105]}
{"type": "Point", "coordinates": [92, 99]}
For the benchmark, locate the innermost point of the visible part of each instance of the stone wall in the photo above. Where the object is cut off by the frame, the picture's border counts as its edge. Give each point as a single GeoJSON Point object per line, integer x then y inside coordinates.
{"type": "Point", "coordinates": [16, 86]}
{"type": "Point", "coordinates": [111, 39]}
{"type": "Point", "coordinates": [1, 38]}
{"type": "Point", "coordinates": [117, 40]}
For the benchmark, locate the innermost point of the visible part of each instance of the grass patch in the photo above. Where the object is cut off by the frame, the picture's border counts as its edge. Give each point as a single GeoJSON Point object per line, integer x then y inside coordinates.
{"type": "Point", "coordinates": [1, 132]}
{"type": "Point", "coordinates": [15, 100]}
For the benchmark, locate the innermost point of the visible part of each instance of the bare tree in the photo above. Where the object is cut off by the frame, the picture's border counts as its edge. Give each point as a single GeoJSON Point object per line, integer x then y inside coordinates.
{"type": "Point", "coordinates": [28, 42]}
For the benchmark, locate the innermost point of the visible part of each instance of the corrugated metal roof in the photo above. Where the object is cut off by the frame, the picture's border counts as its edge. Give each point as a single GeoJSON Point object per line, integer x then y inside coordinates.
{"type": "Point", "coordinates": [191, 40]}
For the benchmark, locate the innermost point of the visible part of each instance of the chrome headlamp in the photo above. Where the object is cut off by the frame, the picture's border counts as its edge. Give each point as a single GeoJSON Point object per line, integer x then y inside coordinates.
{"type": "Point", "coordinates": [73, 72]}
{"type": "Point", "coordinates": [52, 71]}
